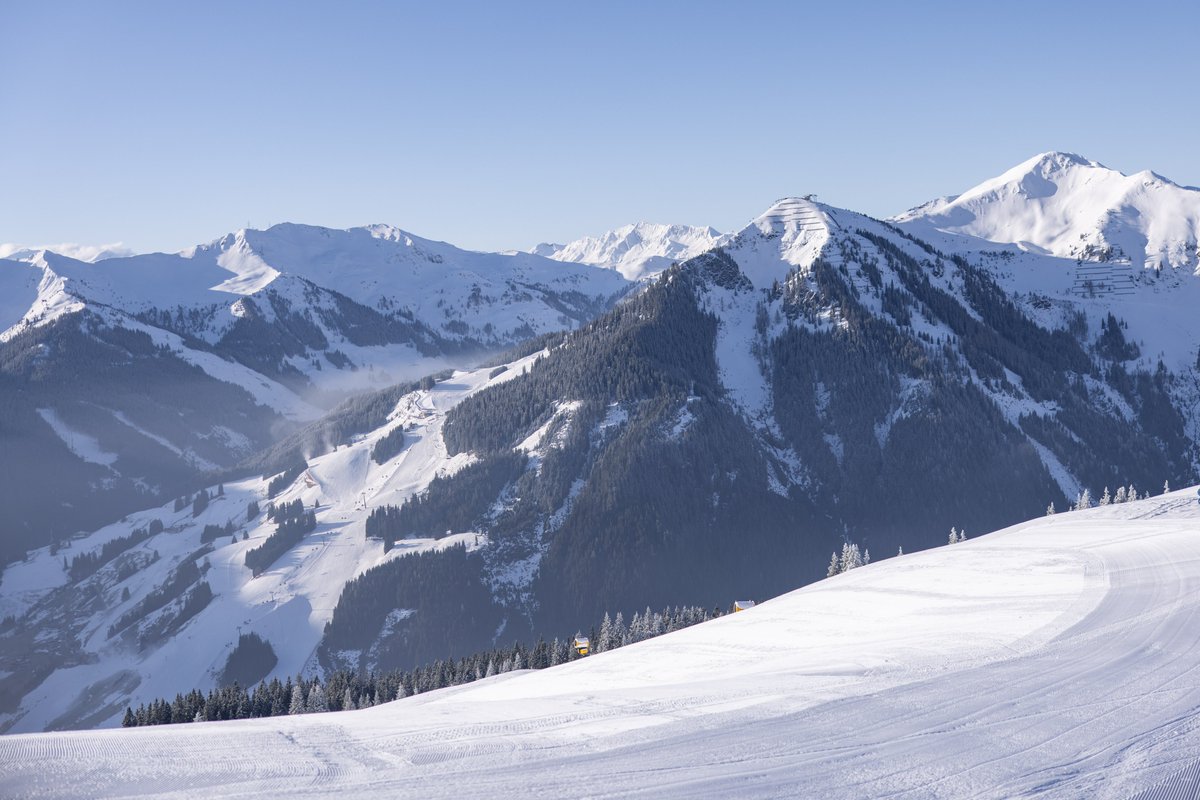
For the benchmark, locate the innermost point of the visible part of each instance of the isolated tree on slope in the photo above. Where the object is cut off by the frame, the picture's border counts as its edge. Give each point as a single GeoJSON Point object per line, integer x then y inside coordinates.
{"type": "Point", "coordinates": [1050, 512]}
{"type": "Point", "coordinates": [1166, 487]}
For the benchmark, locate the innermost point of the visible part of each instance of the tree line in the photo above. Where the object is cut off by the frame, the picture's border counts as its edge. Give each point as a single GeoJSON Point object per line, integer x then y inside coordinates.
{"type": "Point", "coordinates": [346, 690]}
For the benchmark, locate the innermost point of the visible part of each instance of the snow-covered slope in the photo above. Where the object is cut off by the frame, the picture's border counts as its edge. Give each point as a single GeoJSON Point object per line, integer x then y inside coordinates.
{"type": "Point", "coordinates": [637, 251]}
{"type": "Point", "coordinates": [260, 330]}
{"type": "Point", "coordinates": [453, 297]}
{"type": "Point", "coordinates": [85, 672]}
{"type": "Point", "coordinates": [1066, 205]}
{"type": "Point", "coordinates": [1056, 658]}
{"type": "Point", "coordinates": [82, 252]}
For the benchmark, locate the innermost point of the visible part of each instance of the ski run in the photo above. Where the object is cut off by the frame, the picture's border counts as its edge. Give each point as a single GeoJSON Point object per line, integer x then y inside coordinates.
{"type": "Point", "coordinates": [1055, 658]}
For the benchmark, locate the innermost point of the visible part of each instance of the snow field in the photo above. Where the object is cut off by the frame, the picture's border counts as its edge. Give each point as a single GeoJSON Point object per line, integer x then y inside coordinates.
{"type": "Point", "coordinates": [1056, 658]}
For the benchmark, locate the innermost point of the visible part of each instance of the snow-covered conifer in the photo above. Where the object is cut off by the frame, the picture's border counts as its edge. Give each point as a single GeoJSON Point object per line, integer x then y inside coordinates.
{"type": "Point", "coordinates": [297, 703]}
{"type": "Point", "coordinates": [1105, 499]}
{"type": "Point", "coordinates": [953, 536]}
{"type": "Point", "coordinates": [1120, 496]}
{"type": "Point", "coordinates": [316, 700]}
{"type": "Point", "coordinates": [604, 640]}
{"type": "Point", "coordinates": [1050, 512]}
{"type": "Point", "coordinates": [834, 566]}
{"type": "Point", "coordinates": [1166, 487]}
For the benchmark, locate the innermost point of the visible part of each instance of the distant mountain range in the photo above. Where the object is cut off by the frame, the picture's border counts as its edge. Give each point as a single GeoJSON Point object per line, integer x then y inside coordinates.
{"type": "Point", "coordinates": [815, 378]}
{"type": "Point", "coordinates": [125, 379]}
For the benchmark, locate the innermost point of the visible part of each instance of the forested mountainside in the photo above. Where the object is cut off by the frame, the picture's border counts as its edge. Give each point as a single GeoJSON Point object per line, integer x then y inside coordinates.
{"type": "Point", "coordinates": [123, 381]}
{"type": "Point", "coordinates": [821, 379]}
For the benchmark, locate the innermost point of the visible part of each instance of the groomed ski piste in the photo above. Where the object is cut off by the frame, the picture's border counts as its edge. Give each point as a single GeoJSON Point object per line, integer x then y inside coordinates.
{"type": "Point", "coordinates": [1056, 658]}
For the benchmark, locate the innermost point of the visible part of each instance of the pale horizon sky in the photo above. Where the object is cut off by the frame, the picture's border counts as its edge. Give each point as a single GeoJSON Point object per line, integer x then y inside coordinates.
{"type": "Point", "coordinates": [162, 126]}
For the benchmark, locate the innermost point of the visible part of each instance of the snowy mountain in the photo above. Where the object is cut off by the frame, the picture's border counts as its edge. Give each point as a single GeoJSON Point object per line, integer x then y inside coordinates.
{"type": "Point", "coordinates": [1052, 659]}
{"type": "Point", "coordinates": [712, 436]}
{"type": "Point", "coordinates": [80, 252]}
{"type": "Point", "coordinates": [1066, 205]}
{"type": "Point", "coordinates": [154, 612]}
{"type": "Point", "coordinates": [637, 251]}
{"type": "Point", "coordinates": [129, 376]}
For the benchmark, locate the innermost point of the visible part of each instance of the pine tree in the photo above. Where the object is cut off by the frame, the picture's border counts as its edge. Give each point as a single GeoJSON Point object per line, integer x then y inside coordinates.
{"type": "Point", "coordinates": [1050, 512]}
{"type": "Point", "coordinates": [1120, 496]}
{"type": "Point", "coordinates": [900, 552]}
{"type": "Point", "coordinates": [1105, 499]}
{"type": "Point", "coordinates": [316, 700]}
{"type": "Point", "coordinates": [1085, 499]}
{"type": "Point", "coordinates": [347, 700]}
{"type": "Point", "coordinates": [834, 566]}
{"type": "Point", "coordinates": [604, 641]}
{"type": "Point", "coordinates": [1166, 487]}
{"type": "Point", "coordinates": [953, 536]}
{"type": "Point", "coordinates": [297, 702]}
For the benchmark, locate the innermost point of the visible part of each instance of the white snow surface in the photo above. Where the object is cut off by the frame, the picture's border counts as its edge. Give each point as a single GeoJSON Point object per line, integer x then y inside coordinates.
{"type": "Point", "coordinates": [1061, 204]}
{"type": "Point", "coordinates": [1056, 658]}
{"type": "Point", "coordinates": [637, 251]}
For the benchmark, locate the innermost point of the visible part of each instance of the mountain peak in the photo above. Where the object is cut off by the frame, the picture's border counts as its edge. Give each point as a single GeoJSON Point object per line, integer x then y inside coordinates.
{"type": "Point", "coordinates": [1066, 205]}
{"type": "Point", "coordinates": [637, 250]}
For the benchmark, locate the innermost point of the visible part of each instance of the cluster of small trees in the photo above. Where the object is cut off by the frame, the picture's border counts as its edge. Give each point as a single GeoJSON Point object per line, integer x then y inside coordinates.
{"type": "Point", "coordinates": [850, 558]}
{"type": "Point", "coordinates": [286, 478]}
{"type": "Point", "coordinates": [200, 502]}
{"type": "Point", "coordinates": [86, 564]}
{"type": "Point", "coordinates": [389, 445]}
{"type": "Point", "coordinates": [1124, 494]}
{"type": "Point", "coordinates": [956, 536]}
{"type": "Point", "coordinates": [292, 522]}
{"type": "Point", "coordinates": [183, 576]}
{"type": "Point", "coordinates": [345, 690]}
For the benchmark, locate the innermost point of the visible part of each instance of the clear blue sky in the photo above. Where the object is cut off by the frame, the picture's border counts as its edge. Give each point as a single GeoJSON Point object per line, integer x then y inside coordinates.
{"type": "Point", "coordinates": [498, 125]}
